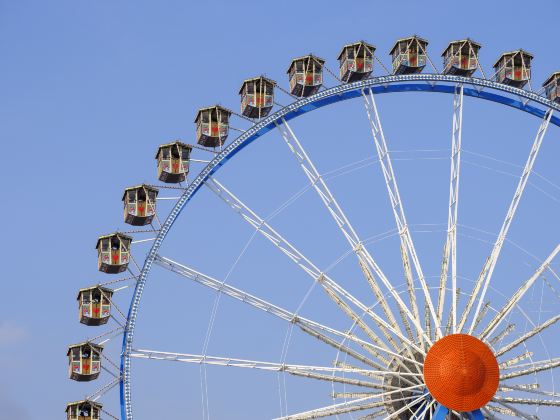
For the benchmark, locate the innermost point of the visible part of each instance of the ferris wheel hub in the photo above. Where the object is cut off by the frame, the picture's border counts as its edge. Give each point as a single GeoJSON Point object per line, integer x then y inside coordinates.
{"type": "Point", "coordinates": [461, 372]}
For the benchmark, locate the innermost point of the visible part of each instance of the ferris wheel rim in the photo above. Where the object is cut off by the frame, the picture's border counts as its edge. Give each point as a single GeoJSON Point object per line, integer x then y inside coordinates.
{"type": "Point", "coordinates": [376, 85]}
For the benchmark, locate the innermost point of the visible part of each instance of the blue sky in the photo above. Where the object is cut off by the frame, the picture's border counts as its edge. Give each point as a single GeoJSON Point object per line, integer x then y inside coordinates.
{"type": "Point", "coordinates": [88, 89]}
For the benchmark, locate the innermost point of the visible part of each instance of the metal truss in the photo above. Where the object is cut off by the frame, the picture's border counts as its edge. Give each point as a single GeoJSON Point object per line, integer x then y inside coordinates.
{"type": "Point", "coordinates": [311, 327]}
{"type": "Point", "coordinates": [259, 365]}
{"type": "Point", "coordinates": [349, 407]}
{"type": "Point", "coordinates": [366, 261]}
{"type": "Point", "coordinates": [514, 300]}
{"type": "Point", "coordinates": [486, 274]}
{"type": "Point", "coordinates": [520, 340]}
{"type": "Point", "coordinates": [303, 262]}
{"type": "Point", "coordinates": [527, 401]}
{"type": "Point", "coordinates": [408, 250]}
{"type": "Point", "coordinates": [450, 248]}
{"type": "Point", "coordinates": [534, 368]}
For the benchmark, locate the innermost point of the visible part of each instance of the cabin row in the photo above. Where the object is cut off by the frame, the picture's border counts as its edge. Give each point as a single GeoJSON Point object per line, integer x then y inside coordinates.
{"type": "Point", "coordinates": [408, 56]}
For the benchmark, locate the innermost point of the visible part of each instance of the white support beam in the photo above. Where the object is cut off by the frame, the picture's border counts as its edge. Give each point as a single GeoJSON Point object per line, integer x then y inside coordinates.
{"type": "Point", "coordinates": [528, 401]}
{"type": "Point", "coordinates": [501, 335]}
{"type": "Point", "coordinates": [367, 263]}
{"type": "Point", "coordinates": [450, 248]}
{"type": "Point", "coordinates": [345, 407]}
{"type": "Point", "coordinates": [311, 327]}
{"type": "Point", "coordinates": [535, 367]}
{"type": "Point", "coordinates": [537, 329]}
{"type": "Point", "coordinates": [485, 276]}
{"type": "Point", "coordinates": [509, 364]}
{"type": "Point", "coordinates": [259, 365]}
{"type": "Point", "coordinates": [398, 212]}
{"type": "Point", "coordinates": [296, 256]}
{"type": "Point", "coordinates": [518, 295]}
{"type": "Point", "coordinates": [515, 412]}
{"type": "Point", "coordinates": [374, 415]}
{"type": "Point", "coordinates": [406, 407]}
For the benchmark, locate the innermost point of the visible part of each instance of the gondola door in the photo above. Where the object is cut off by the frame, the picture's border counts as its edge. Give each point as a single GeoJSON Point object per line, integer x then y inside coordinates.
{"type": "Point", "coordinates": [141, 203]}
{"type": "Point", "coordinates": [175, 159]}
{"type": "Point", "coordinates": [115, 250]}
{"type": "Point", "coordinates": [96, 304]}
{"type": "Point", "coordinates": [86, 365]}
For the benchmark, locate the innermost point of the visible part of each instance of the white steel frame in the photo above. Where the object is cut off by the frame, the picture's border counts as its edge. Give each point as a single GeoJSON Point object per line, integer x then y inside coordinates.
{"type": "Point", "coordinates": [387, 347]}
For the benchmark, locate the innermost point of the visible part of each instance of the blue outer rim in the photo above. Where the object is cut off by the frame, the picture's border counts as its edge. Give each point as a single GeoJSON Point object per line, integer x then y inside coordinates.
{"type": "Point", "coordinates": [474, 87]}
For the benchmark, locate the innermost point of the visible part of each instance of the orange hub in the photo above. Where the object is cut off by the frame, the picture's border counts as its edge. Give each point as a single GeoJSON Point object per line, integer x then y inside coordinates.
{"type": "Point", "coordinates": [461, 372]}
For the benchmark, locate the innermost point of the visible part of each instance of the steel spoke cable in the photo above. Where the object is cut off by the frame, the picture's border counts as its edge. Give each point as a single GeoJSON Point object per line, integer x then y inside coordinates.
{"type": "Point", "coordinates": [103, 390]}
{"type": "Point", "coordinates": [337, 214]}
{"type": "Point", "coordinates": [510, 174]}
{"type": "Point", "coordinates": [214, 312]}
{"type": "Point", "coordinates": [109, 414]}
{"type": "Point", "coordinates": [253, 364]}
{"type": "Point", "coordinates": [113, 304]}
{"type": "Point", "coordinates": [340, 408]}
{"type": "Point", "coordinates": [289, 250]}
{"type": "Point", "coordinates": [114, 335]}
{"type": "Point", "coordinates": [106, 283]}
{"type": "Point", "coordinates": [408, 249]}
{"type": "Point", "coordinates": [515, 411]}
{"type": "Point", "coordinates": [304, 323]}
{"type": "Point", "coordinates": [119, 329]}
{"type": "Point", "coordinates": [450, 248]}
{"type": "Point", "coordinates": [518, 295]}
{"type": "Point", "coordinates": [534, 172]}
{"type": "Point", "coordinates": [486, 274]}
{"type": "Point", "coordinates": [406, 407]}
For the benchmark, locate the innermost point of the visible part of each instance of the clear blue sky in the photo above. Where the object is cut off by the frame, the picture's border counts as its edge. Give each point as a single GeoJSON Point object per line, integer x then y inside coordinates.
{"type": "Point", "coordinates": [88, 89]}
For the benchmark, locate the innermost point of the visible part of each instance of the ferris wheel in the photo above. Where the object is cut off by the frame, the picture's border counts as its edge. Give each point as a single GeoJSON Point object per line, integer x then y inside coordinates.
{"type": "Point", "coordinates": [407, 344]}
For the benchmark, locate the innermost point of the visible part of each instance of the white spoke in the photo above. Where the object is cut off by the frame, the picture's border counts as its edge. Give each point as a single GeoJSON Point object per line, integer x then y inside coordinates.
{"type": "Point", "coordinates": [303, 262]}
{"type": "Point", "coordinates": [307, 325]}
{"type": "Point", "coordinates": [406, 407]}
{"type": "Point", "coordinates": [366, 261]}
{"type": "Point", "coordinates": [345, 407]}
{"type": "Point", "coordinates": [487, 413]}
{"type": "Point", "coordinates": [253, 364]}
{"type": "Point", "coordinates": [502, 334]}
{"type": "Point", "coordinates": [514, 300]}
{"type": "Point", "coordinates": [486, 274]}
{"type": "Point", "coordinates": [535, 367]}
{"type": "Point", "coordinates": [358, 321]}
{"type": "Point", "coordinates": [427, 408]}
{"type": "Point", "coordinates": [352, 395]}
{"type": "Point", "coordinates": [537, 329]}
{"type": "Point", "coordinates": [501, 410]}
{"type": "Point", "coordinates": [339, 346]}
{"type": "Point", "coordinates": [373, 415]}
{"type": "Point", "coordinates": [450, 248]}
{"type": "Point", "coordinates": [515, 412]}
{"type": "Point", "coordinates": [515, 360]}
{"type": "Point", "coordinates": [532, 389]}
{"type": "Point", "coordinates": [398, 211]}
{"type": "Point", "coordinates": [527, 401]}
